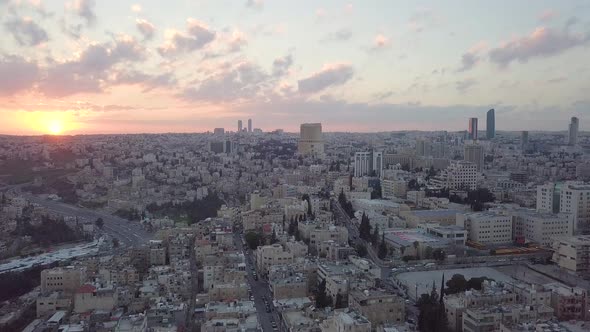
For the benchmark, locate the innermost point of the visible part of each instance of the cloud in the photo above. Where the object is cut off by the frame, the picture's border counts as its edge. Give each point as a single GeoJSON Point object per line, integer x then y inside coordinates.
{"type": "Point", "coordinates": [543, 42]}
{"type": "Point", "coordinates": [422, 18]}
{"type": "Point", "coordinates": [196, 37]}
{"type": "Point", "coordinates": [472, 57]}
{"type": "Point", "coordinates": [320, 14]}
{"type": "Point", "coordinates": [557, 80]}
{"type": "Point", "coordinates": [89, 72]}
{"type": "Point", "coordinates": [330, 75]}
{"type": "Point", "coordinates": [340, 35]}
{"type": "Point", "coordinates": [236, 41]}
{"type": "Point", "coordinates": [547, 15]}
{"type": "Point", "coordinates": [16, 74]}
{"type": "Point", "coordinates": [26, 32]}
{"type": "Point", "coordinates": [379, 96]}
{"type": "Point", "coordinates": [464, 85]}
{"type": "Point", "coordinates": [242, 81]}
{"type": "Point", "coordinates": [348, 8]}
{"type": "Point", "coordinates": [146, 28]}
{"type": "Point", "coordinates": [84, 9]}
{"type": "Point", "coordinates": [340, 115]}
{"type": "Point", "coordinates": [281, 66]}
{"type": "Point", "coordinates": [380, 42]}
{"type": "Point", "coordinates": [136, 8]}
{"type": "Point", "coordinates": [255, 4]}
{"type": "Point", "coordinates": [147, 81]}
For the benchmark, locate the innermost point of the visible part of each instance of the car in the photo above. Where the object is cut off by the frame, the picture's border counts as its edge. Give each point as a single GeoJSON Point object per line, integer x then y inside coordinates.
{"type": "Point", "coordinates": [273, 324]}
{"type": "Point", "coordinates": [267, 309]}
{"type": "Point", "coordinates": [251, 298]}
{"type": "Point", "coordinates": [256, 277]}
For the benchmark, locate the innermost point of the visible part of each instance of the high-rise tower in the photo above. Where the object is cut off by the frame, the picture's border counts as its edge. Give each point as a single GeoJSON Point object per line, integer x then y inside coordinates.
{"type": "Point", "coordinates": [473, 128]}
{"type": "Point", "coordinates": [311, 142]}
{"type": "Point", "coordinates": [249, 125]}
{"type": "Point", "coordinates": [573, 131]}
{"type": "Point", "coordinates": [491, 124]}
{"type": "Point", "coordinates": [240, 127]}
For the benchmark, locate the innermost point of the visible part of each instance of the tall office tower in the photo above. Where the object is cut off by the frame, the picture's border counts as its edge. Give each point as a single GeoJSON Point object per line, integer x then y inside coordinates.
{"type": "Point", "coordinates": [474, 154]}
{"type": "Point", "coordinates": [240, 126]}
{"type": "Point", "coordinates": [473, 128]}
{"type": "Point", "coordinates": [369, 163]}
{"type": "Point", "coordinates": [423, 147]}
{"type": "Point", "coordinates": [218, 131]}
{"type": "Point", "coordinates": [524, 140]}
{"type": "Point", "coordinates": [249, 125]}
{"type": "Point", "coordinates": [362, 164]}
{"type": "Point", "coordinates": [491, 124]}
{"type": "Point", "coordinates": [573, 131]}
{"type": "Point", "coordinates": [311, 142]}
{"type": "Point", "coordinates": [377, 163]}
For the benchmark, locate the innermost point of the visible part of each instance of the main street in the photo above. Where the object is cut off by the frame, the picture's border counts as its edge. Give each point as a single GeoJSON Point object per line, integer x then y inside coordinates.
{"type": "Point", "coordinates": [260, 291]}
{"type": "Point", "coordinates": [128, 233]}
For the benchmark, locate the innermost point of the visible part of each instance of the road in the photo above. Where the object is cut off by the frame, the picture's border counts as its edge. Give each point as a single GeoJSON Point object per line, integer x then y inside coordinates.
{"type": "Point", "coordinates": [129, 233]}
{"type": "Point", "coordinates": [260, 291]}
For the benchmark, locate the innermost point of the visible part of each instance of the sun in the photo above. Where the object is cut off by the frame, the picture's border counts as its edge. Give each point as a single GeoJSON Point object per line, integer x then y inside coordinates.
{"type": "Point", "coordinates": [55, 127]}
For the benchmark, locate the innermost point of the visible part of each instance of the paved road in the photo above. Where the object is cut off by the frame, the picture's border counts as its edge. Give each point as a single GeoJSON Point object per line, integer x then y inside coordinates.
{"type": "Point", "coordinates": [260, 291]}
{"type": "Point", "coordinates": [129, 233]}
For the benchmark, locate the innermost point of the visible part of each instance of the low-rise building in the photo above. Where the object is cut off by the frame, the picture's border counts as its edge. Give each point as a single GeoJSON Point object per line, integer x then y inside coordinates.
{"type": "Point", "coordinates": [573, 253]}
{"type": "Point", "coordinates": [377, 306]}
{"type": "Point", "coordinates": [274, 254]}
{"type": "Point", "coordinates": [67, 279]}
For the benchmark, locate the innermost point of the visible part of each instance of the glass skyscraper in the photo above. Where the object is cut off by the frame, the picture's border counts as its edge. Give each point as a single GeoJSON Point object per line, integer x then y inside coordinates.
{"type": "Point", "coordinates": [491, 124]}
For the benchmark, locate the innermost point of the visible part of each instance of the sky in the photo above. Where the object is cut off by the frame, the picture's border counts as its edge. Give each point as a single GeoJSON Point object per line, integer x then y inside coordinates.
{"type": "Point", "coordinates": [90, 67]}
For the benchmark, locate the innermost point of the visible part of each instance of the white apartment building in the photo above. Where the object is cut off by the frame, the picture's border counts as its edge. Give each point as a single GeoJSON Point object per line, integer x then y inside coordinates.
{"type": "Point", "coordinates": [573, 253]}
{"type": "Point", "coordinates": [546, 198]}
{"type": "Point", "coordinates": [575, 199]}
{"type": "Point", "coordinates": [461, 175]}
{"type": "Point", "coordinates": [542, 228]}
{"type": "Point", "coordinates": [487, 227]}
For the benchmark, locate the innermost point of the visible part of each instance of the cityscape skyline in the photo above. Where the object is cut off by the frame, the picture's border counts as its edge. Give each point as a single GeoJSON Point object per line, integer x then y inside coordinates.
{"type": "Point", "coordinates": [127, 67]}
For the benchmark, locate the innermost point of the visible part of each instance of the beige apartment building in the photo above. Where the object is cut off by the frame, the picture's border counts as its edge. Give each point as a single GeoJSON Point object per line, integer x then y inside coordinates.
{"type": "Point", "coordinates": [573, 253]}
{"type": "Point", "coordinates": [289, 287]}
{"type": "Point", "coordinates": [274, 254]}
{"type": "Point", "coordinates": [67, 279]}
{"type": "Point", "coordinates": [377, 306]}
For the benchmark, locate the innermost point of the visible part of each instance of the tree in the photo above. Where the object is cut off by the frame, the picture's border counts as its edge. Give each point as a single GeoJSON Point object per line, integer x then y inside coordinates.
{"type": "Point", "coordinates": [365, 228]}
{"type": "Point", "coordinates": [428, 252]}
{"type": "Point", "coordinates": [439, 255]}
{"type": "Point", "coordinates": [416, 246]}
{"type": "Point", "coordinates": [432, 317]}
{"type": "Point", "coordinates": [375, 236]}
{"type": "Point", "coordinates": [361, 249]}
{"type": "Point", "coordinates": [340, 302]}
{"type": "Point", "coordinates": [456, 284]}
{"type": "Point", "coordinates": [322, 299]}
{"type": "Point", "coordinates": [253, 240]}
{"type": "Point", "coordinates": [115, 243]}
{"type": "Point", "coordinates": [382, 248]}
{"type": "Point", "coordinates": [99, 223]}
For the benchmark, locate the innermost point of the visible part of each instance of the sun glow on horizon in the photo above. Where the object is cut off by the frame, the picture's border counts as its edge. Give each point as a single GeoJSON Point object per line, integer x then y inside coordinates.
{"type": "Point", "coordinates": [55, 127]}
